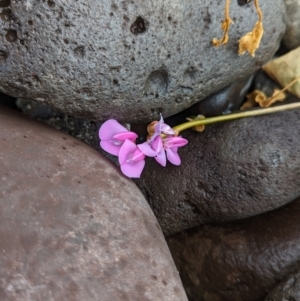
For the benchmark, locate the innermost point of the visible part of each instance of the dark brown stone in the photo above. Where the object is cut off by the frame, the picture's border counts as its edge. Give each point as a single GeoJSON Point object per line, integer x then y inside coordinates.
{"type": "Point", "coordinates": [72, 227]}
{"type": "Point", "coordinates": [230, 171]}
{"type": "Point", "coordinates": [288, 290]}
{"type": "Point", "coordinates": [127, 60]}
{"type": "Point", "coordinates": [242, 260]}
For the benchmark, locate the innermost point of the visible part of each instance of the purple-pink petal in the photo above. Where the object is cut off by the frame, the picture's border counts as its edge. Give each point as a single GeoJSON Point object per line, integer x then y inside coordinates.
{"type": "Point", "coordinates": [126, 151]}
{"type": "Point", "coordinates": [157, 144]}
{"type": "Point", "coordinates": [147, 149]}
{"type": "Point", "coordinates": [173, 156]}
{"type": "Point", "coordinates": [159, 125]}
{"type": "Point", "coordinates": [138, 155]}
{"type": "Point", "coordinates": [110, 147]}
{"type": "Point", "coordinates": [133, 169]}
{"type": "Point", "coordinates": [160, 128]}
{"type": "Point", "coordinates": [111, 128]}
{"type": "Point", "coordinates": [126, 135]}
{"type": "Point", "coordinates": [161, 158]}
{"type": "Point", "coordinates": [174, 142]}
{"type": "Point", "coordinates": [166, 129]}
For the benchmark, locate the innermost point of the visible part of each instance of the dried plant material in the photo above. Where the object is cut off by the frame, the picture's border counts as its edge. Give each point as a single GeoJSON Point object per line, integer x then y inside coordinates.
{"type": "Point", "coordinates": [252, 99]}
{"type": "Point", "coordinates": [225, 27]}
{"type": "Point", "coordinates": [277, 96]}
{"type": "Point", "coordinates": [285, 71]}
{"type": "Point", "coordinates": [250, 42]}
{"type": "Point", "coordinates": [259, 97]}
{"type": "Point", "coordinates": [198, 128]}
{"type": "Point", "coordinates": [248, 104]}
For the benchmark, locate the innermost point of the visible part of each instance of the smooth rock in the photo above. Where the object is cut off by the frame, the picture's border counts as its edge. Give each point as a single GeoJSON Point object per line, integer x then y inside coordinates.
{"type": "Point", "coordinates": [225, 101]}
{"type": "Point", "coordinates": [72, 227]}
{"type": "Point", "coordinates": [242, 260]}
{"type": "Point", "coordinates": [265, 84]}
{"type": "Point", "coordinates": [288, 290]}
{"type": "Point", "coordinates": [291, 38]}
{"type": "Point", "coordinates": [127, 60]}
{"type": "Point", "coordinates": [230, 171]}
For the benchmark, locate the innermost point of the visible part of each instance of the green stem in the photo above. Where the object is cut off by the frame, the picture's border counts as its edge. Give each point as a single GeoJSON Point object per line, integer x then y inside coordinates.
{"type": "Point", "coordinates": [257, 112]}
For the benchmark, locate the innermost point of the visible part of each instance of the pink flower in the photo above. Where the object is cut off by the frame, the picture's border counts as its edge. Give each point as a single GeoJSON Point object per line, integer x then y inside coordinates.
{"type": "Point", "coordinates": [131, 159]}
{"type": "Point", "coordinates": [171, 146]}
{"type": "Point", "coordinates": [161, 128]}
{"type": "Point", "coordinates": [163, 149]}
{"type": "Point", "coordinates": [113, 135]}
{"type": "Point", "coordinates": [155, 149]}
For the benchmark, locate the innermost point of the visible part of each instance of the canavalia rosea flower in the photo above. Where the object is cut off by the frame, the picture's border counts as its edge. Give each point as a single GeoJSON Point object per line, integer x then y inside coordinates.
{"type": "Point", "coordinates": [163, 149]}
{"type": "Point", "coordinates": [131, 159]}
{"type": "Point", "coordinates": [155, 149]}
{"type": "Point", "coordinates": [156, 128]}
{"type": "Point", "coordinates": [171, 145]}
{"type": "Point", "coordinates": [118, 141]}
{"type": "Point", "coordinates": [113, 135]}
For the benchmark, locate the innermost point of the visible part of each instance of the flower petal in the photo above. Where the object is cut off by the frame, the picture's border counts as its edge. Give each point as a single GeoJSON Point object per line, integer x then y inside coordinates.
{"type": "Point", "coordinates": [110, 147]}
{"type": "Point", "coordinates": [133, 169]}
{"type": "Point", "coordinates": [126, 135]}
{"type": "Point", "coordinates": [166, 129]}
{"type": "Point", "coordinates": [110, 128]}
{"type": "Point", "coordinates": [174, 142]}
{"type": "Point", "coordinates": [157, 144]}
{"type": "Point", "coordinates": [172, 156]}
{"type": "Point", "coordinates": [161, 158]}
{"type": "Point", "coordinates": [147, 149]}
{"type": "Point", "coordinates": [126, 151]}
{"type": "Point", "coordinates": [138, 155]}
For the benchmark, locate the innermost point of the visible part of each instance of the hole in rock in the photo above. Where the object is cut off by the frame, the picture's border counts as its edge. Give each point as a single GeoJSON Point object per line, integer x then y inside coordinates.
{"type": "Point", "coordinates": [11, 35]}
{"type": "Point", "coordinates": [6, 15]}
{"type": "Point", "coordinates": [4, 3]}
{"type": "Point", "coordinates": [138, 26]}
{"type": "Point", "coordinates": [79, 51]}
{"type": "Point", "coordinates": [51, 3]}
{"type": "Point", "coordinates": [3, 55]}
{"type": "Point", "coordinates": [157, 83]}
{"type": "Point", "coordinates": [243, 2]}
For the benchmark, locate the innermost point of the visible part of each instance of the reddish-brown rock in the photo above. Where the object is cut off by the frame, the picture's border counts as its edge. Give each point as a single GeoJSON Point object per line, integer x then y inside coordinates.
{"type": "Point", "coordinates": [72, 227]}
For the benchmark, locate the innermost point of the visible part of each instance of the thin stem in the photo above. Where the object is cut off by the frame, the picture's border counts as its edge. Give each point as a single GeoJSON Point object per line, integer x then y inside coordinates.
{"type": "Point", "coordinates": [227, 10]}
{"type": "Point", "coordinates": [258, 10]}
{"type": "Point", "coordinates": [285, 88]}
{"type": "Point", "coordinates": [239, 115]}
{"type": "Point", "coordinates": [225, 27]}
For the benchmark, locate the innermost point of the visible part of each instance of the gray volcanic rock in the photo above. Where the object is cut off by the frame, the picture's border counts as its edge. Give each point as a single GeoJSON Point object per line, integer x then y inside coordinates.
{"type": "Point", "coordinates": [242, 260]}
{"type": "Point", "coordinates": [230, 171]}
{"type": "Point", "coordinates": [72, 227]}
{"type": "Point", "coordinates": [128, 60]}
{"type": "Point", "coordinates": [286, 290]}
{"type": "Point", "coordinates": [291, 38]}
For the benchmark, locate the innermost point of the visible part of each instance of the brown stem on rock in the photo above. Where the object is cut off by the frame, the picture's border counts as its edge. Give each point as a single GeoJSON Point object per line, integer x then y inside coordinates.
{"type": "Point", "coordinates": [225, 27]}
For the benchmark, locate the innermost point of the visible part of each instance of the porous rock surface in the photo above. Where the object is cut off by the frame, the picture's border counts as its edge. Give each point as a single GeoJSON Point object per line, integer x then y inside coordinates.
{"type": "Point", "coordinates": [242, 260]}
{"type": "Point", "coordinates": [230, 171]}
{"type": "Point", "coordinates": [72, 227]}
{"type": "Point", "coordinates": [128, 60]}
